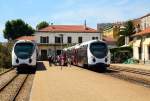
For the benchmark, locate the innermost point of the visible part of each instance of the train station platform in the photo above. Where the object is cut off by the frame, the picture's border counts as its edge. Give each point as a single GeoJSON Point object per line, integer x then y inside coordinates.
{"type": "Point", "coordinates": [143, 67]}
{"type": "Point", "coordinates": [53, 83]}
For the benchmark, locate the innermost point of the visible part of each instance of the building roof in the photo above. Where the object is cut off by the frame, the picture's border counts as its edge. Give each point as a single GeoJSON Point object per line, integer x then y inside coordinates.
{"type": "Point", "coordinates": [142, 33]}
{"type": "Point", "coordinates": [109, 40]}
{"type": "Point", "coordinates": [145, 16]}
{"type": "Point", "coordinates": [68, 28]}
{"type": "Point", "coordinates": [32, 38]}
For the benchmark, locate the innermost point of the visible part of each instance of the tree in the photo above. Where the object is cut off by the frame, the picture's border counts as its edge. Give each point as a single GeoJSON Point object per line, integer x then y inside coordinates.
{"type": "Point", "coordinates": [16, 28]}
{"type": "Point", "coordinates": [126, 32]}
{"type": "Point", "coordinates": [41, 25]}
{"type": "Point", "coordinates": [5, 55]}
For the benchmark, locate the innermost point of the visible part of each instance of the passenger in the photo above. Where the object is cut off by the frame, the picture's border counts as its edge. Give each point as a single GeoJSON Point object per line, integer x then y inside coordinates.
{"type": "Point", "coordinates": [50, 60]}
{"type": "Point", "coordinates": [69, 61]}
{"type": "Point", "coordinates": [58, 60]}
{"type": "Point", "coordinates": [62, 60]}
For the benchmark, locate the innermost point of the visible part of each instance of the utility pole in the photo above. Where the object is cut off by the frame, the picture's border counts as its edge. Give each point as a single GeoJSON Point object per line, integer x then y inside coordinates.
{"type": "Point", "coordinates": [61, 35]}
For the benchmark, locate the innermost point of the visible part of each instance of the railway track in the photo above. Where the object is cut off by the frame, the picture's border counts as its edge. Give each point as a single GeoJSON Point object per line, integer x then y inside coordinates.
{"type": "Point", "coordinates": [11, 83]}
{"type": "Point", "coordinates": [7, 71]}
{"type": "Point", "coordinates": [141, 77]}
{"type": "Point", "coordinates": [10, 89]}
{"type": "Point", "coordinates": [136, 71]}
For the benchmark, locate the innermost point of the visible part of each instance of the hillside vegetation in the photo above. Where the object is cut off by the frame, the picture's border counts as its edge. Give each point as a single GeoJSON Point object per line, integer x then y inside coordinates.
{"type": "Point", "coordinates": [5, 55]}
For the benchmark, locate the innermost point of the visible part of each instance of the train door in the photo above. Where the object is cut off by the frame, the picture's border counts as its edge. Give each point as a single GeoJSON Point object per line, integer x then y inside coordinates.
{"type": "Point", "coordinates": [82, 56]}
{"type": "Point", "coordinates": [73, 56]}
{"type": "Point", "coordinates": [43, 54]}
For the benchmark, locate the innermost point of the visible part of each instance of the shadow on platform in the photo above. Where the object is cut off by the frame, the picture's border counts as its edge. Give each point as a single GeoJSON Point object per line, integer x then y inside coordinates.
{"type": "Point", "coordinates": [25, 70]}
{"type": "Point", "coordinates": [99, 70]}
{"type": "Point", "coordinates": [40, 67]}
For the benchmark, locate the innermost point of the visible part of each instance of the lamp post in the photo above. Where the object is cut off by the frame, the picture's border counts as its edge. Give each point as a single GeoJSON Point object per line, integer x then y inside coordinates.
{"type": "Point", "coordinates": [143, 49]}
{"type": "Point", "coordinates": [61, 35]}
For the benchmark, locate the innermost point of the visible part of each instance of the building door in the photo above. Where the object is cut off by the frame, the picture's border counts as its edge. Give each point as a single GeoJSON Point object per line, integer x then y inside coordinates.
{"type": "Point", "coordinates": [58, 52]}
{"type": "Point", "coordinates": [43, 54]}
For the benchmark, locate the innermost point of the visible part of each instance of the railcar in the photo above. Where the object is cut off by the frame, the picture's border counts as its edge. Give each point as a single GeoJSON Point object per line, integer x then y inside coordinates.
{"type": "Point", "coordinates": [92, 54]}
{"type": "Point", "coordinates": [24, 54]}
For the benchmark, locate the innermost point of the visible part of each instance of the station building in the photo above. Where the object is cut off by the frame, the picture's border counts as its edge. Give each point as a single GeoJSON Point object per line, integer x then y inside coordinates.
{"type": "Point", "coordinates": [52, 39]}
{"type": "Point", "coordinates": [141, 43]}
{"type": "Point", "coordinates": [141, 46]}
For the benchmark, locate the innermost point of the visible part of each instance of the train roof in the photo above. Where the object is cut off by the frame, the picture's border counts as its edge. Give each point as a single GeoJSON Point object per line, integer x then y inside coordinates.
{"type": "Point", "coordinates": [84, 43]}
{"type": "Point", "coordinates": [25, 41]}
{"type": "Point", "coordinates": [21, 41]}
{"type": "Point", "coordinates": [91, 41]}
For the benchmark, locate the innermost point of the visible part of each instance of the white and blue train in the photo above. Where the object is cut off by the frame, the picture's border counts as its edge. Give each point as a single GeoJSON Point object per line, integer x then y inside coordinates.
{"type": "Point", "coordinates": [94, 53]}
{"type": "Point", "coordinates": [24, 54]}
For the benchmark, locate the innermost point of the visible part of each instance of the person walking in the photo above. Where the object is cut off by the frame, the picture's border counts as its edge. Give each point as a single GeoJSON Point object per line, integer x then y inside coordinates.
{"type": "Point", "coordinates": [62, 61]}
{"type": "Point", "coordinates": [69, 61]}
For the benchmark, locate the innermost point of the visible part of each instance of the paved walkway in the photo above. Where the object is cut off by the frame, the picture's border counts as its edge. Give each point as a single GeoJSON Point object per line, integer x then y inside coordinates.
{"type": "Point", "coordinates": [77, 84]}
{"type": "Point", "coordinates": [134, 66]}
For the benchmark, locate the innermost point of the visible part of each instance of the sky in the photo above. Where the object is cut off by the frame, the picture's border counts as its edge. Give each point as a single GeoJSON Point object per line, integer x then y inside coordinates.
{"type": "Point", "coordinates": [73, 12]}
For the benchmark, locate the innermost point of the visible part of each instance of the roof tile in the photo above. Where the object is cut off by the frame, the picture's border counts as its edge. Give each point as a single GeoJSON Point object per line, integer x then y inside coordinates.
{"type": "Point", "coordinates": [144, 32]}
{"type": "Point", "coordinates": [67, 28]}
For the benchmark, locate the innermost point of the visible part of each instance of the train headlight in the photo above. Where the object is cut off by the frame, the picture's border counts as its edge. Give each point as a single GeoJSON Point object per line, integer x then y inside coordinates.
{"type": "Point", "coordinates": [106, 59]}
{"type": "Point", "coordinates": [30, 60]}
{"type": "Point", "coordinates": [94, 60]}
{"type": "Point", "coordinates": [17, 60]}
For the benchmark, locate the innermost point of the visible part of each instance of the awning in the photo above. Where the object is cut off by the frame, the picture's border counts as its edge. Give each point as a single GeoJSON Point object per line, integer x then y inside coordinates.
{"type": "Point", "coordinates": [137, 43]}
{"type": "Point", "coordinates": [146, 41]}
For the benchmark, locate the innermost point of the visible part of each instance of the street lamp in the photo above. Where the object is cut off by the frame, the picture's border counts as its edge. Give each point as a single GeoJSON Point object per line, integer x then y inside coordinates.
{"type": "Point", "coordinates": [61, 36]}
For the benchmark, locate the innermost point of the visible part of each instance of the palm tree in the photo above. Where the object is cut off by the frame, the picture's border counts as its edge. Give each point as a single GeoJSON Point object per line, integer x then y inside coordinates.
{"type": "Point", "coordinates": [125, 33]}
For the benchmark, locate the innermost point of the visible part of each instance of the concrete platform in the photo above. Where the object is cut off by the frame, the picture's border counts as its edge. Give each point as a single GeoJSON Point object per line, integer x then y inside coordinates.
{"type": "Point", "coordinates": [145, 67]}
{"type": "Point", "coordinates": [78, 84]}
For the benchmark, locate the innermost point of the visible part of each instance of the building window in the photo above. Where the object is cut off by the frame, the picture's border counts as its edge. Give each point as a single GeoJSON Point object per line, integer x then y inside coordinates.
{"type": "Point", "coordinates": [43, 54]}
{"type": "Point", "coordinates": [80, 39]}
{"type": "Point", "coordinates": [94, 38]}
{"type": "Point", "coordinates": [145, 25]}
{"type": "Point", "coordinates": [58, 40]}
{"type": "Point", "coordinates": [69, 40]}
{"type": "Point", "coordinates": [44, 39]}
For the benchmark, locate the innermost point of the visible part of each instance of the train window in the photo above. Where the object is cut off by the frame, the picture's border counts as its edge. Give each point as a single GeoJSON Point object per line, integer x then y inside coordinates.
{"type": "Point", "coordinates": [99, 50]}
{"type": "Point", "coordinates": [24, 50]}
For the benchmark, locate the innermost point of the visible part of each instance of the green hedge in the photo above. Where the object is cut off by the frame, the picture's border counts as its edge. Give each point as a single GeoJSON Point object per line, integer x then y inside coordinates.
{"type": "Point", "coordinates": [121, 54]}
{"type": "Point", "coordinates": [121, 49]}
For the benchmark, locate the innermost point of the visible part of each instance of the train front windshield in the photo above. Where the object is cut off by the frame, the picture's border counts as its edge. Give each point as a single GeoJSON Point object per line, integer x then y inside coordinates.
{"type": "Point", "coordinates": [24, 50]}
{"type": "Point", "coordinates": [99, 49]}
